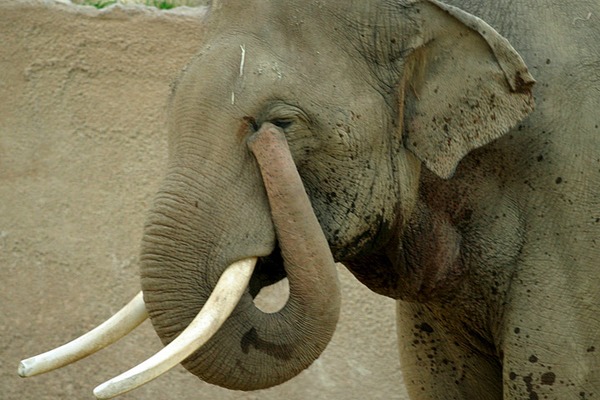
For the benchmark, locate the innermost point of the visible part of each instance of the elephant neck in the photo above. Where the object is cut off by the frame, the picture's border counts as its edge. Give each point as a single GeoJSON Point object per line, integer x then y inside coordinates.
{"type": "Point", "coordinates": [421, 262]}
{"type": "Point", "coordinates": [461, 241]}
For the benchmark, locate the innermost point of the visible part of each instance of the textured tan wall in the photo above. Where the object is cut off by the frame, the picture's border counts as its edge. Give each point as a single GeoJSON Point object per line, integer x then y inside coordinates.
{"type": "Point", "coordinates": [82, 144]}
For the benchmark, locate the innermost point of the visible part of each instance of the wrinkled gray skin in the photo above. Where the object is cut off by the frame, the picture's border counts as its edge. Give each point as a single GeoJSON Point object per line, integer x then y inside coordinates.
{"type": "Point", "coordinates": [411, 125]}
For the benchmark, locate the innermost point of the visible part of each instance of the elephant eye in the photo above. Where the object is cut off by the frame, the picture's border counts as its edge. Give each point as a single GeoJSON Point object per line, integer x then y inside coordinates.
{"type": "Point", "coordinates": [282, 123]}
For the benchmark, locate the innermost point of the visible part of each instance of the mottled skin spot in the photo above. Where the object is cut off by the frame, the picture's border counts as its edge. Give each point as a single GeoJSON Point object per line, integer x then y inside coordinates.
{"type": "Point", "coordinates": [425, 327]}
{"type": "Point", "coordinates": [533, 359]}
{"type": "Point", "coordinates": [548, 378]}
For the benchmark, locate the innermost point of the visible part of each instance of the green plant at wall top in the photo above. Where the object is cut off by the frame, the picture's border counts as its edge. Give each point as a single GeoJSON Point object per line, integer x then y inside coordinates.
{"type": "Point", "coordinates": [98, 3]}
{"type": "Point", "coordinates": [161, 4]}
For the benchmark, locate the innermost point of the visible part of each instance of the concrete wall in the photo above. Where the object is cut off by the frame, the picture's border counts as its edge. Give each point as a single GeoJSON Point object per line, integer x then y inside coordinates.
{"type": "Point", "coordinates": [82, 145]}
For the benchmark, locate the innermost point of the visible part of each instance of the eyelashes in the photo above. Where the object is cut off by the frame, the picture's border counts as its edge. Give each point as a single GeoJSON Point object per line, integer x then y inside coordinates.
{"type": "Point", "coordinates": [281, 123]}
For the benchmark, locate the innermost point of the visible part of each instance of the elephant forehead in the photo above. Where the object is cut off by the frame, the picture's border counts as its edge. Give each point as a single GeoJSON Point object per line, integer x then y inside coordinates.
{"type": "Point", "coordinates": [248, 67]}
{"type": "Point", "coordinates": [280, 38]}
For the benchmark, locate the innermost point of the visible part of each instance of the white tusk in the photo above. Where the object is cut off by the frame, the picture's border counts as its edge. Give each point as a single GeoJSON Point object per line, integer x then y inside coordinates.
{"type": "Point", "coordinates": [225, 296]}
{"type": "Point", "coordinates": [103, 335]}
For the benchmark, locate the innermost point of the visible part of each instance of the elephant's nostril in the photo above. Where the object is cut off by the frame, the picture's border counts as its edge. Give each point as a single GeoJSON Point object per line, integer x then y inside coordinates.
{"type": "Point", "coordinates": [268, 285]}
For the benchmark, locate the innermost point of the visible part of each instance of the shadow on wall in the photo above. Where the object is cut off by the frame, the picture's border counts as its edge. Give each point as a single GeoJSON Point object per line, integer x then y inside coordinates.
{"type": "Point", "coordinates": [82, 147]}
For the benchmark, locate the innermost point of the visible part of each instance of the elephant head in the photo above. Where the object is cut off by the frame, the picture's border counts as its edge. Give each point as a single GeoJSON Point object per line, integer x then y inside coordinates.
{"type": "Point", "coordinates": [297, 136]}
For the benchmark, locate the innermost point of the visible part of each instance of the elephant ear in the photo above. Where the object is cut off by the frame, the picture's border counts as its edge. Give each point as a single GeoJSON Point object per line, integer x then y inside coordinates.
{"type": "Point", "coordinates": [464, 86]}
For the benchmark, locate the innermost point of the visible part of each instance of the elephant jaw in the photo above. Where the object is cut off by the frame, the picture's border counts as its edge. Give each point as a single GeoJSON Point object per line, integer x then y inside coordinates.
{"type": "Point", "coordinates": [309, 266]}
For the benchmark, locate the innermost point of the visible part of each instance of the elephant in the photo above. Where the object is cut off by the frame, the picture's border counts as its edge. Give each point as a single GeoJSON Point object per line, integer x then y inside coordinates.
{"type": "Point", "coordinates": [448, 154]}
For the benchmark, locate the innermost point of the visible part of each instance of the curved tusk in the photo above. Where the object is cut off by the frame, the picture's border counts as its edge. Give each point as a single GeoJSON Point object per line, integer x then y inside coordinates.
{"type": "Point", "coordinates": [225, 296]}
{"type": "Point", "coordinates": [113, 329]}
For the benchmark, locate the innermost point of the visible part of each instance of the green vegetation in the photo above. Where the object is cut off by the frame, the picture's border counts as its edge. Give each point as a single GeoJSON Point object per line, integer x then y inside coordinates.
{"type": "Point", "coordinates": [161, 4]}
{"type": "Point", "coordinates": [98, 3]}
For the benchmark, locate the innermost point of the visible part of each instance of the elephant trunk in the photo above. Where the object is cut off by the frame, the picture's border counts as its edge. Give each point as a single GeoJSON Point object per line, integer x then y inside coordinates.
{"type": "Point", "coordinates": [186, 248]}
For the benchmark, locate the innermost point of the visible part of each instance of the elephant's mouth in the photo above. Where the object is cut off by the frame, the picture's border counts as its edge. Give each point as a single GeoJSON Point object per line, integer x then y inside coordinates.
{"type": "Point", "coordinates": [268, 271]}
